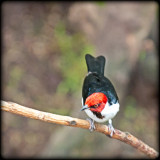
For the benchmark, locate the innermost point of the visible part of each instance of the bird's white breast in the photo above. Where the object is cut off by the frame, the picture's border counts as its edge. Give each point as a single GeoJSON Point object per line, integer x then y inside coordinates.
{"type": "Point", "coordinates": [108, 112]}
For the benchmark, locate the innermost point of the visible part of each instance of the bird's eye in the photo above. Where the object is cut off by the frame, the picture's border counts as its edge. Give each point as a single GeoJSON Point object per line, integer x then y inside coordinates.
{"type": "Point", "coordinates": [95, 106]}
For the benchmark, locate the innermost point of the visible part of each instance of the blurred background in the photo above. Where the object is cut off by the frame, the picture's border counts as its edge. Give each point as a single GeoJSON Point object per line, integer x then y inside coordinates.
{"type": "Point", "coordinates": [43, 67]}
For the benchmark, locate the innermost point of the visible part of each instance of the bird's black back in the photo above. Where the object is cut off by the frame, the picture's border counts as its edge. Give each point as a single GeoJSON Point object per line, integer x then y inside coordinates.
{"type": "Point", "coordinates": [96, 82]}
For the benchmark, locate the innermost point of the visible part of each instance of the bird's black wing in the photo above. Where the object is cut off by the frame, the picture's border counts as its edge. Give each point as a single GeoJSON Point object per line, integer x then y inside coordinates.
{"type": "Point", "coordinates": [98, 83]}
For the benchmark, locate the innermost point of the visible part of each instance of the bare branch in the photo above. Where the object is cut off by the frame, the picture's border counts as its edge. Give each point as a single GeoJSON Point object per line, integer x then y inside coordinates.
{"type": "Point", "coordinates": [75, 122]}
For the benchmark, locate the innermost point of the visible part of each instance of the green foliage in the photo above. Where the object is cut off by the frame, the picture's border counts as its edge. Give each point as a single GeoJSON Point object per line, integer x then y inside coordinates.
{"type": "Point", "coordinates": [15, 76]}
{"type": "Point", "coordinates": [130, 111]}
{"type": "Point", "coordinates": [72, 60]}
{"type": "Point", "coordinates": [62, 111]}
{"type": "Point", "coordinates": [142, 55]}
{"type": "Point", "coordinates": [100, 3]}
{"type": "Point", "coordinates": [135, 116]}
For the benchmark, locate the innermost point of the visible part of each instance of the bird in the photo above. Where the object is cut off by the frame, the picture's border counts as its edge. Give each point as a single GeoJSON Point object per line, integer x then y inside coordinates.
{"type": "Point", "coordinates": [99, 97]}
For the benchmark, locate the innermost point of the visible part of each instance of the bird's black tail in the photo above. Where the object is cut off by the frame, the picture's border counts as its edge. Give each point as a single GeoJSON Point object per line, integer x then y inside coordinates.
{"type": "Point", "coordinates": [95, 64]}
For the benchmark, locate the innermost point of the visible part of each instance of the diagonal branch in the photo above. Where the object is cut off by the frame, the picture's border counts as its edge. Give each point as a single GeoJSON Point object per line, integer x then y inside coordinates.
{"type": "Point", "coordinates": [75, 122]}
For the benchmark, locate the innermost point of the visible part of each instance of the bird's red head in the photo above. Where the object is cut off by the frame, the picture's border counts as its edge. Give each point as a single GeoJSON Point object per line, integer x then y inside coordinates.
{"type": "Point", "coordinates": [96, 101]}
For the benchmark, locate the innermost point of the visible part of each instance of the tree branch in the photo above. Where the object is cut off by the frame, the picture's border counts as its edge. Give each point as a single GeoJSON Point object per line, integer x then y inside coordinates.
{"type": "Point", "coordinates": [75, 122]}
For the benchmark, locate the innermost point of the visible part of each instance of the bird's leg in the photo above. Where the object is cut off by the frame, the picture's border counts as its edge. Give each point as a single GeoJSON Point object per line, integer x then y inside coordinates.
{"type": "Point", "coordinates": [92, 126]}
{"type": "Point", "coordinates": [110, 128]}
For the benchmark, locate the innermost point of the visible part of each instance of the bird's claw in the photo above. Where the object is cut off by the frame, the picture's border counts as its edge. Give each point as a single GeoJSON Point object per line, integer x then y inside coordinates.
{"type": "Point", "coordinates": [92, 126]}
{"type": "Point", "coordinates": [111, 129]}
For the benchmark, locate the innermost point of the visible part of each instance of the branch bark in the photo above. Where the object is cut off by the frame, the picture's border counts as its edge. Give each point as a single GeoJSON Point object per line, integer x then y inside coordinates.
{"type": "Point", "coordinates": [75, 122]}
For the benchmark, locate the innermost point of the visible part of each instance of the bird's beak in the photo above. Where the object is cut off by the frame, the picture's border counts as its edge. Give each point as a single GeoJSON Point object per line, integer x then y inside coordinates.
{"type": "Point", "coordinates": [84, 107]}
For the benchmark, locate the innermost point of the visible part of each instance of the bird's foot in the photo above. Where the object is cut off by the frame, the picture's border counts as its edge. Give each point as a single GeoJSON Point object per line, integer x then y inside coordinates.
{"type": "Point", "coordinates": [110, 128]}
{"type": "Point", "coordinates": [92, 126]}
